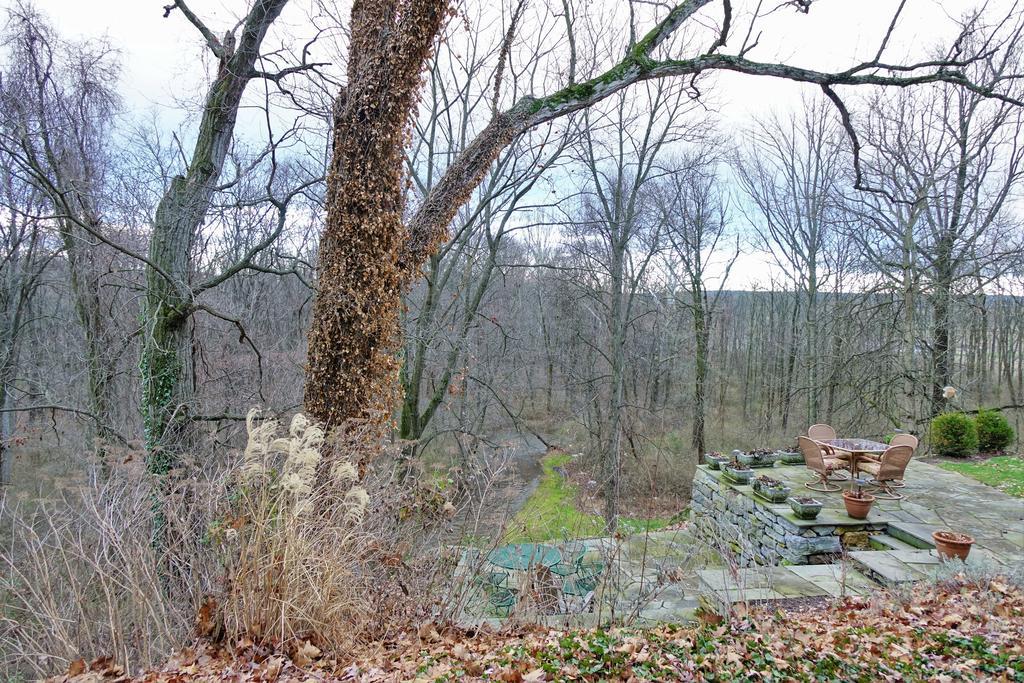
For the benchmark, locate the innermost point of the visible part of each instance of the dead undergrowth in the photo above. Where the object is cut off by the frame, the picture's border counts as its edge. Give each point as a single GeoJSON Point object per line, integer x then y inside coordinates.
{"type": "Point", "coordinates": [960, 627]}
{"type": "Point", "coordinates": [285, 544]}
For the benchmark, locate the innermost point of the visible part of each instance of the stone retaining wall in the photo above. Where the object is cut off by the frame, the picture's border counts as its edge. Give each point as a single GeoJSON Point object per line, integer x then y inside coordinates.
{"type": "Point", "coordinates": [730, 518]}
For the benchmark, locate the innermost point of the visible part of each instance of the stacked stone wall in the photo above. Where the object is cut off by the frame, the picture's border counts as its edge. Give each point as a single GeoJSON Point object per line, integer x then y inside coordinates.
{"type": "Point", "coordinates": [756, 533]}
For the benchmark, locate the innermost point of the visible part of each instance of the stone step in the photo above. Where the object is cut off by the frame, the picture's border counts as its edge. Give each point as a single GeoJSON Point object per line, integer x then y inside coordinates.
{"type": "Point", "coordinates": [887, 542]}
{"type": "Point", "coordinates": [891, 567]}
{"type": "Point", "coordinates": [782, 584]}
{"type": "Point", "coordinates": [916, 535]}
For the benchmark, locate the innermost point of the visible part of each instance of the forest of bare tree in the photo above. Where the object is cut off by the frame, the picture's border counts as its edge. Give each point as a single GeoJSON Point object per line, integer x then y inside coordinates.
{"type": "Point", "coordinates": [429, 225]}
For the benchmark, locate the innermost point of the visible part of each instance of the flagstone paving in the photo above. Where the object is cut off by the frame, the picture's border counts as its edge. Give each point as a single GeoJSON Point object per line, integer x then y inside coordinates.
{"type": "Point", "coordinates": [667, 575]}
{"type": "Point", "coordinates": [722, 588]}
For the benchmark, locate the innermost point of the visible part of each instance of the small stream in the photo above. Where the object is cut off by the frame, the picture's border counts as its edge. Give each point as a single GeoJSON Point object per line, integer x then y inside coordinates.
{"type": "Point", "coordinates": [508, 471]}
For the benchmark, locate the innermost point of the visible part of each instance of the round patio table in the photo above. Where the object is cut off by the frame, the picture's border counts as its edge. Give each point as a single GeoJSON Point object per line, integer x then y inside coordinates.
{"type": "Point", "coordinates": [522, 556]}
{"type": "Point", "coordinates": [857, 448]}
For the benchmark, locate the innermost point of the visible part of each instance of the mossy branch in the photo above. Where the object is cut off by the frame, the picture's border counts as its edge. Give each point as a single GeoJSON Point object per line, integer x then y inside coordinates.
{"type": "Point", "coordinates": [429, 225]}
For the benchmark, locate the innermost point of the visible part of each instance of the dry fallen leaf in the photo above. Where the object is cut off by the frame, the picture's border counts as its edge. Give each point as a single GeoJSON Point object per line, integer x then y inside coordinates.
{"type": "Point", "coordinates": [306, 654]}
{"type": "Point", "coordinates": [428, 632]}
{"type": "Point", "coordinates": [76, 667]}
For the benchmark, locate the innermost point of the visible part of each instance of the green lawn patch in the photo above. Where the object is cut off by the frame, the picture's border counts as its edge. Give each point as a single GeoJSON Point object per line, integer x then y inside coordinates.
{"type": "Point", "coordinates": [551, 512]}
{"type": "Point", "coordinates": [1004, 472]}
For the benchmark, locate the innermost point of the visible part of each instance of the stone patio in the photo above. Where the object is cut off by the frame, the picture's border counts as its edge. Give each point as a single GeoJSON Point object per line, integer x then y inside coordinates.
{"type": "Point", "coordinates": [721, 589]}
{"type": "Point", "coordinates": [650, 577]}
{"type": "Point", "coordinates": [769, 555]}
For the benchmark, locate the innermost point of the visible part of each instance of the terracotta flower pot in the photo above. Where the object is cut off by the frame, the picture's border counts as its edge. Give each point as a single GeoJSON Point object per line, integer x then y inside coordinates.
{"type": "Point", "coordinates": [858, 507]}
{"type": "Point", "coordinates": [950, 544]}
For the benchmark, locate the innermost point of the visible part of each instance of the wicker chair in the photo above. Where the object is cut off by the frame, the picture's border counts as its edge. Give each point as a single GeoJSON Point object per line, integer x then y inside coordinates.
{"type": "Point", "coordinates": [824, 432]}
{"type": "Point", "coordinates": [821, 432]}
{"type": "Point", "coordinates": [904, 440]}
{"type": "Point", "coordinates": [888, 470]}
{"type": "Point", "coordinates": [820, 459]}
{"type": "Point", "coordinates": [897, 440]}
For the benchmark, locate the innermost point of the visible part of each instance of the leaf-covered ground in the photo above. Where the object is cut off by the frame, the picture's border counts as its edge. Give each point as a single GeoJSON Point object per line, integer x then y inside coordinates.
{"type": "Point", "coordinates": [947, 633]}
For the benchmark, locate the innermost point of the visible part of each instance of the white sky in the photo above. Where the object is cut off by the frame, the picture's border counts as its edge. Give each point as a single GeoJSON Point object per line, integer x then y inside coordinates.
{"type": "Point", "coordinates": [162, 65]}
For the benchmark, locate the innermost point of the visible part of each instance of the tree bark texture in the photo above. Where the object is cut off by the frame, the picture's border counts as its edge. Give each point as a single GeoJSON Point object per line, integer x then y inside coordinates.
{"type": "Point", "coordinates": [168, 385]}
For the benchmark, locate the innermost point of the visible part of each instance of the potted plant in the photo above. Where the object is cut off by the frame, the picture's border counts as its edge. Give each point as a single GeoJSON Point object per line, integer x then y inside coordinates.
{"type": "Point", "coordinates": [715, 460]}
{"type": "Point", "coordinates": [738, 473]}
{"type": "Point", "coordinates": [789, 456]}
{"type": "Point", "coordinates": [759, 457]}
{"type": "Point", "coordinates": [772, 490]}
{"type": "Point", "coordinates": [950, 544]}
{"type": "Point", "coordinates": [805, 507]}
{"type": "Point", "coordinates": [858, 501]}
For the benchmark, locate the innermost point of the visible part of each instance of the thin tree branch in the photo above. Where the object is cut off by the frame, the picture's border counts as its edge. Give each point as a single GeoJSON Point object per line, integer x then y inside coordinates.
{"type": "Point", "coordinates": [211, 40]}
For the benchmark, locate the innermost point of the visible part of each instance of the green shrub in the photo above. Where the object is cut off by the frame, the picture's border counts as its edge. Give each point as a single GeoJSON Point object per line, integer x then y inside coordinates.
{"type": "Point", "coordinates": [994, 431]}
{"type": "Point", "coordinates": [954, 434]}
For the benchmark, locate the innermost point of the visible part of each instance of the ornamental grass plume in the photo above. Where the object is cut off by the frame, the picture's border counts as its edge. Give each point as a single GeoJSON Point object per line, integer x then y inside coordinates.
{"type": "Point", "coordinates": [258, 447]}
{"type": "Point", "coordinates": [302, 451]}
{"type": "Point", "coordinates": [301, 552]}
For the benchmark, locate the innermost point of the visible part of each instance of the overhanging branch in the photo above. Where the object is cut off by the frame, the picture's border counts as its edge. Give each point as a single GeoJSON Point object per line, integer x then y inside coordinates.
{"type": "Point", "coordinates": [430, 222]}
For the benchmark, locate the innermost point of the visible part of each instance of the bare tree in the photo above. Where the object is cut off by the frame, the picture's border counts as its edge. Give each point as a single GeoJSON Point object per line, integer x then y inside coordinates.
{"type": "Point", "coordinates": [792, 172]}
{"type": "Point", "coordinates": [445, 306]}
{"type": "Point", "coordinates": [369, 252]}
{"type": "Point", "coordinates": [616, 241]}
{"type": "Point", "coordinates": [24, 257]}
{"type": "Point", "coordinates": [172, 297]}
{"type": "Point", "coordinates": [695, 214]}
{"type": "Point", "coordinates": [948, 161]}
{"type": "Point", "coordinates": [58, 104]}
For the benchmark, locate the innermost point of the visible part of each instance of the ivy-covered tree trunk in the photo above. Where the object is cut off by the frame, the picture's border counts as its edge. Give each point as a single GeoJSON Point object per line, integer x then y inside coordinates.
{"type": "Point", "coordinates": [167, 380]}
{"type": "Point", "coordinates": [352, 366]}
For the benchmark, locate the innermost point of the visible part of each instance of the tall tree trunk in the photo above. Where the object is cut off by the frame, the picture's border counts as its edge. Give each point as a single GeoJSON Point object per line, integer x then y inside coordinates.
{"type": "Point", "coordinates": [813, 343]}
{"type": "Point", "coordinates": [700, 368]}
{"type": "Point", "coordinates": [6, 426]}
{"type": "Point", "coordinates": [168, 385]}
{"type": "Point", "coordinates": [941, 339]}
{"type": "Point", "coordinates": [908, 333]}
{"type": "Point", "coordinates": [351, 364]}
{"type": "Point", "coordinates": [787, 390]}
{"type": "Point", "coordinates": [617, 354]}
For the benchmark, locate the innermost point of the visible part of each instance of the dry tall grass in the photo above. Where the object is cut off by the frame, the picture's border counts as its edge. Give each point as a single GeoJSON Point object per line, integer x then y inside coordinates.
{"type": "Point", "coordinates": [80, 575]}
{"type": "Point", "coordinates": [286, 544]}
{"type": "Point", "coordinates": [294, 542]}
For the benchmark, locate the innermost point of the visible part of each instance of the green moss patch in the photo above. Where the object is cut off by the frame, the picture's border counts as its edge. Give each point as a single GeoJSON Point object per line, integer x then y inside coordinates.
{"type": "Point", "coordinates": [552, 511]}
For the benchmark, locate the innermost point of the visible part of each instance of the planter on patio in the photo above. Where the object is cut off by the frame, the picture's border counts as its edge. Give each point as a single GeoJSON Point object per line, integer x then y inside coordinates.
{"type": "Point", "coordinates": [772, 490]}
{"type": "Point", "coordinates": [950, 545]}
{"type": "Point", "coordinates": [716, 460]}
{"type": "Point", "coordinates": [858, 503]}
{"type": "Point", "coordinates": [759, 457]}
{"type": "Point", "coordinates": [805, 507]}
{"type": "Point", "coordinates": [738, 474]}
{"type": "Point", "coordinates": [791, 457]}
